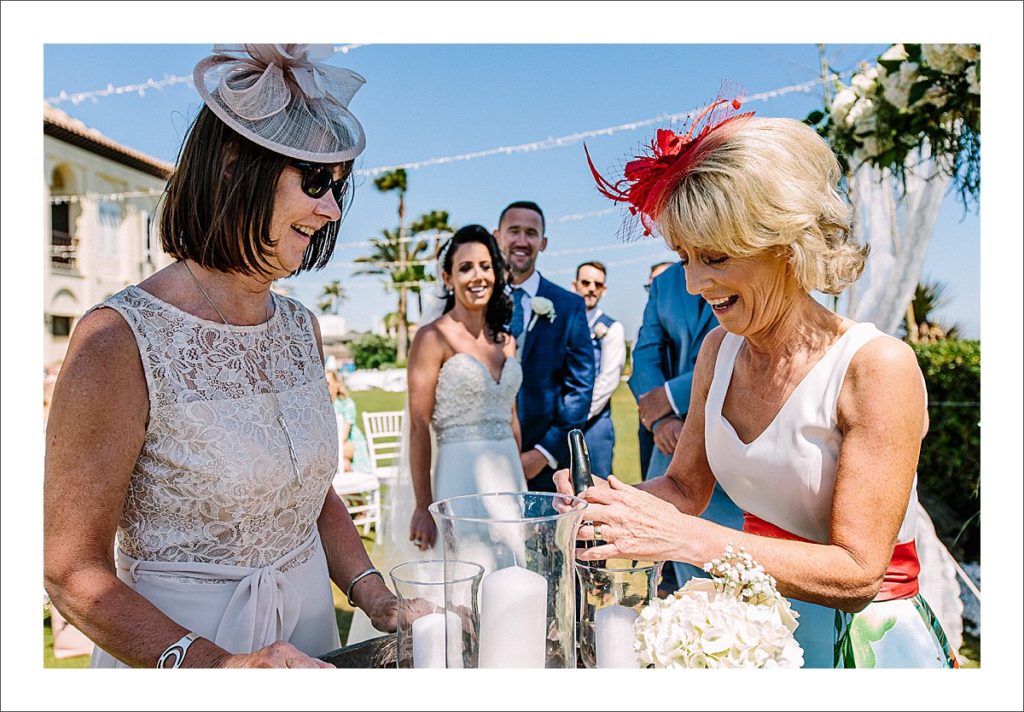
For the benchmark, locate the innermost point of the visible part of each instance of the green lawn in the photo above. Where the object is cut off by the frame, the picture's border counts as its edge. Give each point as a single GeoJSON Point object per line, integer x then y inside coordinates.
{"type": "Point", "coordinates": [79, 661]}
{"type": "Point", "coordinates": [626, 462]}
{"type": "Point", "coordinates": [373, 401]}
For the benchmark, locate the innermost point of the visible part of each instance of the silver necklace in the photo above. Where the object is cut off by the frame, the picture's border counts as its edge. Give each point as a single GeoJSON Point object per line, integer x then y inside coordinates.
{"type": "Point", "coordinates": [270, 377]}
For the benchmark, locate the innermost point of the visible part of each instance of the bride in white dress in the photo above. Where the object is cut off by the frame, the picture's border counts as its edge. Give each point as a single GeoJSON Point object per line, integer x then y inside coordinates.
{"type": "Point", "coordinates": [463, 380]}
{"type": "Point", "coordinates": [463, 431]}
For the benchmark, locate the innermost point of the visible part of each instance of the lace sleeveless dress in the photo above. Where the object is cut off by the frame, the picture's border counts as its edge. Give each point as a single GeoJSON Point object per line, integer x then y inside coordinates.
{"type": "Point", "coordinates": [784, 481]}
{"type": "Point", "coordinates": [217, 531]}
{"type": "Point", "coordinates": [472, 420]}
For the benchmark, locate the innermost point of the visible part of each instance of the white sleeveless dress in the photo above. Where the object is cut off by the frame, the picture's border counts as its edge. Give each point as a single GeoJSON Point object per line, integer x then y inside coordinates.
{"type": "Point", "coordinates": [472, 420]}
{"type": "Point", "coordinates": [217, 531]}
{"type": "Point", "coordinates": [786, 477]}
{"type": "Point", "coordinates": [474, 452]}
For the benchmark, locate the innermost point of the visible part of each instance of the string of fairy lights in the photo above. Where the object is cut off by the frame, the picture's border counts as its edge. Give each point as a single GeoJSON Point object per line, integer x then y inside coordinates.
{"type": "Point", "coordinates": [533, 146]}
{"type": "Point", "coordinates": [541, 145]}
{"type": "Point", "coordinates": [168, 80]}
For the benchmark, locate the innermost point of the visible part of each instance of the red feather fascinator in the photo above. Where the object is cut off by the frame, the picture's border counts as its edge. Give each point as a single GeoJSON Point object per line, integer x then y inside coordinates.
{"type": "Point", "coordinates": [650, 179]}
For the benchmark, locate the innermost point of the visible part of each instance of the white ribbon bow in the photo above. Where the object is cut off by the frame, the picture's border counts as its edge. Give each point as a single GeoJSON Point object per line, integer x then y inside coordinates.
{"type": "Point", "coordinates": [287, 72]}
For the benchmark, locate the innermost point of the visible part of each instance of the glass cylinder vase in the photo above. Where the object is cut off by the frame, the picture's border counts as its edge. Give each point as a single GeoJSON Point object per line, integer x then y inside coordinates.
{"type": "Point", "coordinates": [612, 595]}
{"type": "Point", "coordinates": [524, 541]}
{"type": "Point", "coordinates": [437, 613]}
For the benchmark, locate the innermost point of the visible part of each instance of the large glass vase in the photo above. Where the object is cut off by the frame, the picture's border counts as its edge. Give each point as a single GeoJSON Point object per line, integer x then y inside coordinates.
{"type": "Point", "coordinates": [525, 543]}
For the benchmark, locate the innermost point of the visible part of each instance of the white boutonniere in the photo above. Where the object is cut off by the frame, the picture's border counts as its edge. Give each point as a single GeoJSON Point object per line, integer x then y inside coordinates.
{"type": "Point", "coordinates": [541, 307]}
{"type": "Point", "coordinates": [599, 331]}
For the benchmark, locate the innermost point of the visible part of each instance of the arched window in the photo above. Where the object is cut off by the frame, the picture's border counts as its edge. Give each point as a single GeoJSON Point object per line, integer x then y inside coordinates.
{"type": "Point", "coordinates": [63, 244]}
{"type": "Point", "coordinates": [61, 313]}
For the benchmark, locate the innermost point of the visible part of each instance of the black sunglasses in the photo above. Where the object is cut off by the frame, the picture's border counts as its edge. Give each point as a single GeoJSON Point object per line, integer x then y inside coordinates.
{"type": "Point", "coordinates": [318, 178]}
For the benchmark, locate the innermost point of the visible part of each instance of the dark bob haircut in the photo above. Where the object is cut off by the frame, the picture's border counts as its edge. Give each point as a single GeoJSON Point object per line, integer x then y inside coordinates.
{"type": "Point", "coordinates": [499, 308]}
{"type": "Point", "coordinates": [219, 203]}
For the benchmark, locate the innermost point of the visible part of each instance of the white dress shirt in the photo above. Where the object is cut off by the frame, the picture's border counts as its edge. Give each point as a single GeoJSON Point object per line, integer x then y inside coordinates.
{"type": "Point", "coordinates": [613, 360]}
{"type": "Point", "coordinates": [671, 400]}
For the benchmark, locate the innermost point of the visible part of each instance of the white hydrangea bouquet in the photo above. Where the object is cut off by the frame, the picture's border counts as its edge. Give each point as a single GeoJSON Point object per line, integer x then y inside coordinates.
{"type": "Point", "coordinates": [735, 619]}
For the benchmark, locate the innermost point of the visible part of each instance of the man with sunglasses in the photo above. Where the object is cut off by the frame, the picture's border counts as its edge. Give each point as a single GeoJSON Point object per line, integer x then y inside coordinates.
{"type": "Point", "coordinates": [608, 339]}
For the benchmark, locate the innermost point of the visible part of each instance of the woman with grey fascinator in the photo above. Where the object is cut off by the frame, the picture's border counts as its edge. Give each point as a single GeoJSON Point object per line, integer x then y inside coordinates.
{"type": "Point", "coordinates": [191, 418]}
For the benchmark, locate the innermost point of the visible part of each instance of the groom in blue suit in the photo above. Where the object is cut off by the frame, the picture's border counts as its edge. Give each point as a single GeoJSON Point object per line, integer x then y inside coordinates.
{"type": "Point", "coordinates": [552, 344]}
{"type": "Point", "coordinates": [674, 326]}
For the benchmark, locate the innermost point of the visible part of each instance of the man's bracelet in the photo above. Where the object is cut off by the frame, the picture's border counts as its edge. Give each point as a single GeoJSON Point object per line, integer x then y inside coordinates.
{"type": "Point", "coordinates": [356, 579]}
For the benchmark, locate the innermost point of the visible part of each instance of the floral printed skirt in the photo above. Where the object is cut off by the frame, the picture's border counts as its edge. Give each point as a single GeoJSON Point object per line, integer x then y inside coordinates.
{"type": "Point", "coordinates": [891, 634]}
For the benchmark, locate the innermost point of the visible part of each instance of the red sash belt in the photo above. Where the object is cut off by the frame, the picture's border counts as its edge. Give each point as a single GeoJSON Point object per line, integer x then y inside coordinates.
{"type": "Point", "coordinates": [900, 577]}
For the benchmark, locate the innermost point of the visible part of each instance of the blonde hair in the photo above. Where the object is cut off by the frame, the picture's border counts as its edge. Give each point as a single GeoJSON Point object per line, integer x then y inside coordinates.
{"type": "Point", "coordinates": [336, 383]}
{"type": "Point", "coordinates": [771, 184]}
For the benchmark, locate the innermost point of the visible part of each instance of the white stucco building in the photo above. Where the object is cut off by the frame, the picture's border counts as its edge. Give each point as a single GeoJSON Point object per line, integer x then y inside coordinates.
{"type": "Point", "coordinates": [100, 222]}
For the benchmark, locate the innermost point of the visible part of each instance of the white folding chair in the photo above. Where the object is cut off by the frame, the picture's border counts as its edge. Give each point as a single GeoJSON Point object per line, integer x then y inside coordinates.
{"type": "Point", "coordinates": [383, 431]}
{"type": "Point", "coordinates": [360, 491]}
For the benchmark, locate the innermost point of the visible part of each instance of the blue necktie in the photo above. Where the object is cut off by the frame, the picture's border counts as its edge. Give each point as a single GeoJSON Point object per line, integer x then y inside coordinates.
{"type": "Point", "coordinates": [516, 327]}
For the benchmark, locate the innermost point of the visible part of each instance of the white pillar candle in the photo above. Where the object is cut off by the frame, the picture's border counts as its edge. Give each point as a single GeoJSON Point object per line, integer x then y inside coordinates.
{"type": "Point", "coordinates": [454, 641]}
{"type": "Point", "coordinates": [513, 619]}
{"type": "Point", "coordinates": [613, 629]}
{"type": "Point", "coordinates": [428, 641]}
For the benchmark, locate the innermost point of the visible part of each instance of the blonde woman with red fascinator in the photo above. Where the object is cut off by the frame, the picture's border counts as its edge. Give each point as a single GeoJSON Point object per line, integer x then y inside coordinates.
{"type": "Point", "coordinates": [810, 422]}
{"type": "Point", "coordinates": [191, 418]}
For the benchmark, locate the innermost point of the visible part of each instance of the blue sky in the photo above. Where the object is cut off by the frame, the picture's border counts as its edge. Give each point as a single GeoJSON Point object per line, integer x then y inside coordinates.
{"type": "Point", "coordinates": [426, 101]}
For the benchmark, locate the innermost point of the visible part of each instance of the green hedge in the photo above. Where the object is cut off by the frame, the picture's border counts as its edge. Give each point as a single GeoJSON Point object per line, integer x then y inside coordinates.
{"type": "Point", "coordinates": [373, 351]}
{"type": "Point", "coordinates": [949, 471]}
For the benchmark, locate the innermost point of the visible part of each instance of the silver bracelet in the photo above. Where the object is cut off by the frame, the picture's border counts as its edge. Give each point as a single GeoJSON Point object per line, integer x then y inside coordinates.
{"type": "Point", "coordinates": [356, 579]}
{"type": "Point", "coordinates": [176, 651]}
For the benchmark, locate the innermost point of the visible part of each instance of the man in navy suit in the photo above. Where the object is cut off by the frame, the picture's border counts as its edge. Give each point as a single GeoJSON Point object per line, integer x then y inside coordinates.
{"type": "Point", "coordinates": [674, 326]}
{"type": "Point", "coordinates": [553, 346]}
{"type": "Point", "coordinates": [608, 338]}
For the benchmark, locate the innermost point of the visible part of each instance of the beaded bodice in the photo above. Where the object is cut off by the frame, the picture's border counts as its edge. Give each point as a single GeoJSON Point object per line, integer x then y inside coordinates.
{"type": "Point", "coordinates": [470, 404]}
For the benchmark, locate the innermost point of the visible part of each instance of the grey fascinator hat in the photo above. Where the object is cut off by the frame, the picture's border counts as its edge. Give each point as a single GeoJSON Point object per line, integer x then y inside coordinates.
{"type": "Point", "coordinates": [285, 98]}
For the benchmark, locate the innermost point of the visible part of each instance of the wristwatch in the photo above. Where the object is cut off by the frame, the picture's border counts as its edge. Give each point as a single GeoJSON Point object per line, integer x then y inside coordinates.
{"type": "Point", "coordinates": [175, 653]}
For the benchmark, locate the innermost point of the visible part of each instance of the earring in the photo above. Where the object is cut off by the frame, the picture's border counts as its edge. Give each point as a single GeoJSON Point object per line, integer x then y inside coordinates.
{"type": "Point", "coordinates": [449, 291]}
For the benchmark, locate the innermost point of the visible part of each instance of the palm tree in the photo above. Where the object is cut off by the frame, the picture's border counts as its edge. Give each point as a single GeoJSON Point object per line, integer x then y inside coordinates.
{"type": "Point", "coordinates": [396, 181]}
{"type": "Point", "coordinates": [404, 261]}
{"type": "Point", "coordinates": [331, 297]}
{"type": "Point", "coordinates": [404, 265]}
{"type": "Point", "coordinates": [920, 326]}
{"type": "Point", "coordinates": [435, 221]}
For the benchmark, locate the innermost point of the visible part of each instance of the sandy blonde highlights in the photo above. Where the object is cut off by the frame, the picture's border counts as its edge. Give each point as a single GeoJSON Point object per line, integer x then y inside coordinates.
{"type": "Point", "coordinates": [772, 183]}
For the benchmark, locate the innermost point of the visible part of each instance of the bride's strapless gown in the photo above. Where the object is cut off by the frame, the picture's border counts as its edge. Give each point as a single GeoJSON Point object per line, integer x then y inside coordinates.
{"type": "Point", "coordinates": [475, 453]}
{"type": "Point", "coordinates": [472, 420]}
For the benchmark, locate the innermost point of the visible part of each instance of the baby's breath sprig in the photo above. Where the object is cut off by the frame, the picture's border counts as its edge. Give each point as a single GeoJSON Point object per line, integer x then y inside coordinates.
{"type": "Point", "coordinates": [738, 574]}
